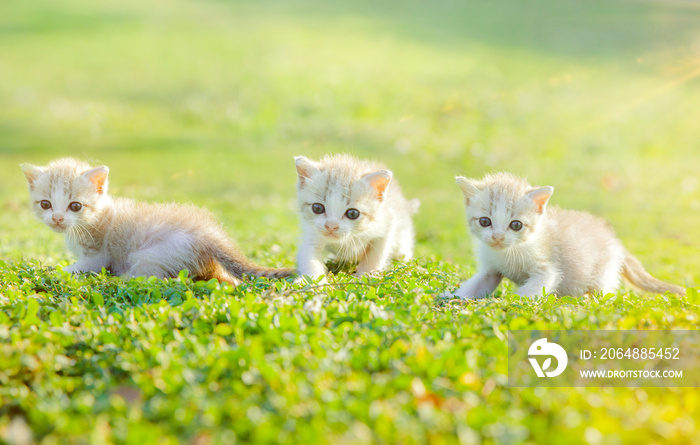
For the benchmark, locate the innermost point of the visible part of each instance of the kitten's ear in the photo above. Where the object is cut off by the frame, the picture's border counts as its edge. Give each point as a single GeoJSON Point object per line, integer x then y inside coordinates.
{"type": "Point", "coordinates": [469, 186]}
{"type": "Point", "coordinates": [98, 177]}
{"type": "Point", "coordinates": [540, 197]}
{"type": "Point", "coordinates": [305, 168]}
{"type": "Point", "coordinates": [379, 181]}
{"type": "Point", "coordinates": [31, 172]}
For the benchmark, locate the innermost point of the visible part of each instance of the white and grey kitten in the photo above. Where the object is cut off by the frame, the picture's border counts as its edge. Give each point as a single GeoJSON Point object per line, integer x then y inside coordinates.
{"type": "Point", "coordinates": [132, 238]}
{"type": "Point", "coordinates": [543, 249]}
{"type": "Point", "coordinates": [355, 209]}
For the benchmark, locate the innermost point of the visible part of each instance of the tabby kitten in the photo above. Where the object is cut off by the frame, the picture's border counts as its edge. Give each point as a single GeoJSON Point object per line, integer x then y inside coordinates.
{"type": "Point", "coordinates": [355, 209]}
{"type": "Point", "coordinates": [132, 238]}
{"type": "Point", "coordinates": [564, 252]}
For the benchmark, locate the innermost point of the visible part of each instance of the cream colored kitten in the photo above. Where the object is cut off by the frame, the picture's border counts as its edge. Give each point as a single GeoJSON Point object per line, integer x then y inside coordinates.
{"type": "Point", "coordinates": [131, 238]}
{"type": "Point", "coordinates": [356, 210]}
{"type": "Point", "coordinates": [561, 251]}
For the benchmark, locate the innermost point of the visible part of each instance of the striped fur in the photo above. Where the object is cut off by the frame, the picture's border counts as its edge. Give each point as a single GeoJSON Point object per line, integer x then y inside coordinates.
{"type": "Point", "coordinates": [131, 238]}
{"type": "Point", "coordinates": [556, 251]}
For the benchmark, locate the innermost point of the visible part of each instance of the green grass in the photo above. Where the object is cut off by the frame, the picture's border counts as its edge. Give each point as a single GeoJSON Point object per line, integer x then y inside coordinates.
{"type": "Point", "coordinates": [207, 102]}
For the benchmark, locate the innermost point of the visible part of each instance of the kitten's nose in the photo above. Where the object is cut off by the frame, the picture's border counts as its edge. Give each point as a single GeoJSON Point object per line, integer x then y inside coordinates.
{"type": "Point", "coordinates": [58, 219]}
{"type": "Point", "coordinates": [498, 237]}
{"type": "Point", "coordinates": [331, 226]}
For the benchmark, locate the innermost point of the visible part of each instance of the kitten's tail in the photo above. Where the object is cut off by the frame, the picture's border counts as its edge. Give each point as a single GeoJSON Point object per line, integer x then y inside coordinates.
{"type": "Point", "coordinates": [634, 272]}
{"type": "Point", "coordinates": [238, 265]}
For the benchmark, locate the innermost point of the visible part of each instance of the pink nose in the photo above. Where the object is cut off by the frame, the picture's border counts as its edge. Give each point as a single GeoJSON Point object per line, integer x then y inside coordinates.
{"type": "Point", "coordinates": [498, 238]}
{"type": "Point", "coordinates": [331, 226]}
{"type": "Point", "coordinates": [58, 219]}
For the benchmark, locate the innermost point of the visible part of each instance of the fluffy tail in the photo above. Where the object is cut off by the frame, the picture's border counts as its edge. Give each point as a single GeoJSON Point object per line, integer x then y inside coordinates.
{"type": "Point", "coordinates": [238, 265]}
{"type": "Point", "coordinates": [634, 272]}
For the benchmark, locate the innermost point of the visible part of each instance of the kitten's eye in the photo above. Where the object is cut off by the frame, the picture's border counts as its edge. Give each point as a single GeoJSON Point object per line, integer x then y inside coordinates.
{"type": "Point", "coordinates": [516, 225]}
{"type": "Point", "coordinates": [75, 206]}
{"type": "Point", "coordinates": [352, 213]}
{"type": "Point", "coordinates": [45, 204]}
{"type": "Point", "coordinates": [317, 208]}
{"type": "Point", "coordinates": [484, 221]}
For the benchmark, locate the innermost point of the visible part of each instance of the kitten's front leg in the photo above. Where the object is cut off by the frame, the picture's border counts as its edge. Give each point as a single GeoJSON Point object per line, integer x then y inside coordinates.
{"type": "Point", "coordinates": [375, 257]}
{"type": "Point", "coordinates": [480, 285]}
{"type": "Point", "coordinates": [310, 259]}
{"type": "Point", "coordinates": [87, 264]}
{"type": "Point", "coordinates": [534, 286]}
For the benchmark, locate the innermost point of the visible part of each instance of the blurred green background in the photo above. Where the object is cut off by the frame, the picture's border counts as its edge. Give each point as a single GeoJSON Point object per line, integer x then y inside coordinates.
{"type": "Point", "coordinates": [208, 101]}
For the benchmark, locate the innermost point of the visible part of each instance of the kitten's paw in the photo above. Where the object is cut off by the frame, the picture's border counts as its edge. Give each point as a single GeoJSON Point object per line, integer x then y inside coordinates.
{"type": "Point", "coordinates": [530, 293]}
{"type": "Point", "coordinates": [370, 274]}
{"type": "Point", "coordinates": [468, 296]}
{"type": "Point", "coordinates": [72, 269]}
{"type": "Point", "coordinates": [446, 295]}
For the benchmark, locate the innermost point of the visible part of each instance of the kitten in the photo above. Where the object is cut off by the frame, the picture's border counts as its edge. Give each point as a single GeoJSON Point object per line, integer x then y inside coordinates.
{"type": "Point", "coordinates": [130, 238]}
{"type": "Point", "coordinates": [564, 252]}
{"type": "Point", "coordinates": [355, 209]}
